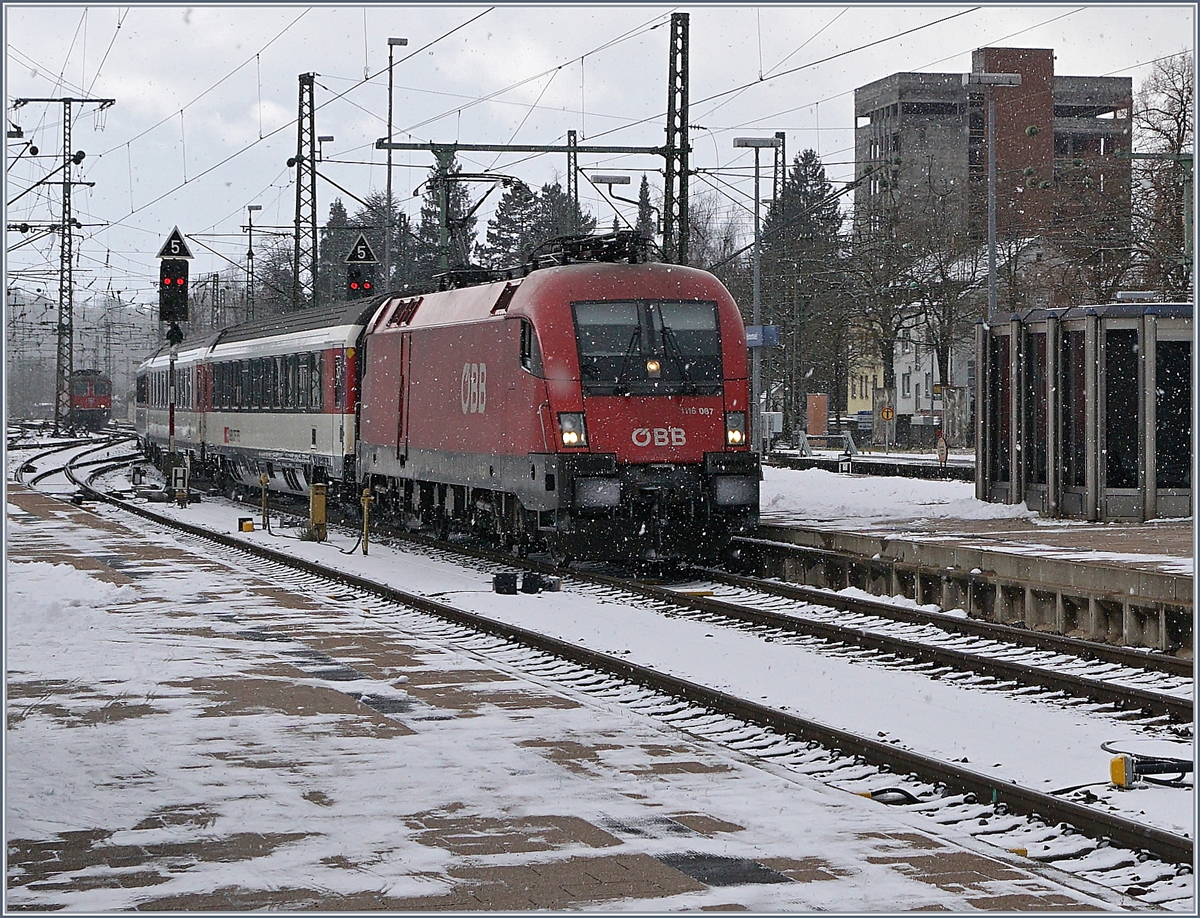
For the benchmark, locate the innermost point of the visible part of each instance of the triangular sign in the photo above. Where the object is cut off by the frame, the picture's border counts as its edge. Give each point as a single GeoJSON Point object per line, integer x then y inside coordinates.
{"type": "Point", "coordinates": [175, 247]}
{"type": "Point", "coordinates": [361, 253]}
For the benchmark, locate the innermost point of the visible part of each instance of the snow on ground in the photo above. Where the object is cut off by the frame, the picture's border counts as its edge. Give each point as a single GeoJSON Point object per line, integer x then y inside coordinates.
{"type": "Point", "coordinates": [68, 636]}
{"type": "Point", "coordinates": [128, 720]}
{"type": "Point", "coordinates": [817, 495]}
{"type": "Point", "coordinates": [1037, 745]}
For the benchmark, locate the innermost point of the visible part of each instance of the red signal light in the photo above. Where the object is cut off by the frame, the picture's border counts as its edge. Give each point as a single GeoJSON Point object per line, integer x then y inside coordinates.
{"type": "Point", "coordinates": [353, 285]}
{"type": "Point", "coordinates": [366, 285]}
{"type": "Point", "coordinates": [166, 282]}
{"type": "Point", "coordinates": [180, 281]}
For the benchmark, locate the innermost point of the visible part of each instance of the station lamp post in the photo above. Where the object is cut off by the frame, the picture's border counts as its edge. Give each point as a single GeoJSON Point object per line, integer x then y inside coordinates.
{"type": "Point", "coordinates": [387, 231]}
{"type": "Point", "coordinates": [606, 179]}
{"type": "Point", "coordinates": [250, 209]}
{"type": "Point", "coordinates": [987, 83]}
{"type": "Point", "coordinates": [756, 438]}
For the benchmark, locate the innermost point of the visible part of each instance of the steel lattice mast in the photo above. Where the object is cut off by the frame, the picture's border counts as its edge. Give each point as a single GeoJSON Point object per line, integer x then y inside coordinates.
{"type": "Point", "coordinates": [675, 203]}
{"type": "Point", "coordinates": [304, 256]}
{"type": "Point", "coordinates": [64, 357]}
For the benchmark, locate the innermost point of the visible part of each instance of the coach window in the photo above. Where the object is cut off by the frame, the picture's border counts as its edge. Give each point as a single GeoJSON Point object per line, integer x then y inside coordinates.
{"type": "Point", "coordinates": [276, 378]}
{"type": "Point", "coordinates": [302, 385]}
{"type": "Point", "coordinates": [339, 374]}
{"type": "Point", "coordinates": [241, 377]}
{"type": "Point", "coordinates": [289, 381]}
{"type": "Point", "coordinates": [314, 379]}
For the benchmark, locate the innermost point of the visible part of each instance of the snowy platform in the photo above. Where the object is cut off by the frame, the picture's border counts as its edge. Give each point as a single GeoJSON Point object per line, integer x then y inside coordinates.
{"type": "Point", "coordinates": [933, 542]}
{"type": "Point", "coordinates": [185, 734]}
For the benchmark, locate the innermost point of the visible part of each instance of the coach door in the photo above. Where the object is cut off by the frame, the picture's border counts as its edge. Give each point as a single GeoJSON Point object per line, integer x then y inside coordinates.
{"type": "Point", "coordinates": [402, 398]}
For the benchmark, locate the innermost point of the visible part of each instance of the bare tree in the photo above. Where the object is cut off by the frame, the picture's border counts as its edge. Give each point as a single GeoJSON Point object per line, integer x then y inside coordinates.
{"type": "Point", "coordinates": [945, 276]}
{"type": "Point", "coordinates": [1165, 130]}
{"type": "Point", "coordinates": [884, 292]}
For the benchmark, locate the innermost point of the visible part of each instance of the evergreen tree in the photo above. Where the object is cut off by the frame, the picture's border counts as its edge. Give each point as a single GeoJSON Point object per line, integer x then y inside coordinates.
{"type": "Point", "coordinates": [371, 220]}
{"type": "Point", "coordinates": [525, 219]}
{"type": "Point", "coordinates": [509, 231]}
{"type": "Point", "coordinates": [431, 257]}
{"type": "Point", "coordinates": [559, 215]}
{"type": "Point", "coordinates": [337, 235]}
{"type": "Point", "coordinates": [646, 224]}
{"type": "Point", "coordinates": [802, 248]}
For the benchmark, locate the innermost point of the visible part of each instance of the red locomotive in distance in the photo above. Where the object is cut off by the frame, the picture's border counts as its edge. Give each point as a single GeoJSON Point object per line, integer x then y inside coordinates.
{"type": "Point", "coordinates": [91, 399]}
{"type": "Point", "coordinates": [595, 405]}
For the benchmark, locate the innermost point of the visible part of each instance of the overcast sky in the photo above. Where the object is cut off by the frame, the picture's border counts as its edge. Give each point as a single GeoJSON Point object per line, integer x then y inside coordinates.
{"type": "Point", "coordinates": [206, 101]}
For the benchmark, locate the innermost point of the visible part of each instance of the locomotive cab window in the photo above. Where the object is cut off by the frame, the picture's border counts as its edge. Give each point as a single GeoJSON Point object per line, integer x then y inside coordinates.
{"type": "Point", "coordinates": [531, 354]}
{"type": "Point", "coordinates": [649, 347]}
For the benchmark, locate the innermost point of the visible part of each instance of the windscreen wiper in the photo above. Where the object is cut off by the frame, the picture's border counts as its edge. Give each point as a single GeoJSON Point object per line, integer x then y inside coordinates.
{"type": "Point", "coordinates": [633, 340]}
{"type": "Point", "coordinates": [672, 348]}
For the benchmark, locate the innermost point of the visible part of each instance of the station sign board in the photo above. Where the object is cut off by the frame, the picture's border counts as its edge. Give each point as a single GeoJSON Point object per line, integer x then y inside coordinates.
{"type": "Point", "coordinates": [762, 336]}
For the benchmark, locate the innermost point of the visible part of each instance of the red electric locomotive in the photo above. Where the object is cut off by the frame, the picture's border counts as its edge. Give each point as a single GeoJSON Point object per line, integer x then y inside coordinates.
{"type": "Point", "coordinates": [597, 406]}
{"type": "Point", "coordinates": [91, 399]}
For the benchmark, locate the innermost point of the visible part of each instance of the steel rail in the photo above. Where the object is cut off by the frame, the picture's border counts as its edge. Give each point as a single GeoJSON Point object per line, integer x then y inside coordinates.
{"type": "Point", "coordinates": [1163, 844]}
{"type": "Point", "coordinates": [973, 627]}
{"type": "Point", "coordinates": [73, 462]}
{"type": "Point", "coordinates": [56, 448]}
{"type": "Point", "coordinates": [1125, 697]}
{"type": "Point", "coordinates": [1154, 703]}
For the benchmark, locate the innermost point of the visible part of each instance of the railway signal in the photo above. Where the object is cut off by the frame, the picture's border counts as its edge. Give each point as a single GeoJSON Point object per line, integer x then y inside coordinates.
{"type": "Point", "coordinates": [360, 281]}
{"type": "Point", "coordinates": [173, 290]}
{"type": "Point", "coordinates": [360, 269]}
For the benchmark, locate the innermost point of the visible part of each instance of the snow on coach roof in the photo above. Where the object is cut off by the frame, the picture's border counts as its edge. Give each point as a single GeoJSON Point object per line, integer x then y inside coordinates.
{"type": "Point", "coordinates": [306, 329]}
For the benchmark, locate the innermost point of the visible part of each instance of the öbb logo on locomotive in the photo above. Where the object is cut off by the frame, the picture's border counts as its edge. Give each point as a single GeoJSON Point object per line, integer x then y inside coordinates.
{"type": "Point", "coordinates": [474, 388]}
{"type": "Point", "coordinates": [659, 436]}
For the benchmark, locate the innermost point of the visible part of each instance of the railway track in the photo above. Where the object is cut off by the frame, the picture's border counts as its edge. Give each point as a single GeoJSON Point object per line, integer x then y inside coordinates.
{"type": "Point", "coordinates": [1130, 680]}
{"type": "Point", "coordinates": [993, 631]}
{"type": "Point", "coordinates": [1070, 834]}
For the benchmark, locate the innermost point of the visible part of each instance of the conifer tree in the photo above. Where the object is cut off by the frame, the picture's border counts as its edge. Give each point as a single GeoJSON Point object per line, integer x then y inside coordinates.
{"type": "Point", "coordinates": [802, 245]}
{"type": "Point", "coordinates": [509, 231]}
{"type": "Point", "coordinates": [646, 224]}
{"type": "Point", "coordinates": [429, 257]}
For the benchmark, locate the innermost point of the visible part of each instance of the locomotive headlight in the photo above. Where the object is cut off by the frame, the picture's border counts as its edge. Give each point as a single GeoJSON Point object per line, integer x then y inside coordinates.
{"type": "Point", "coordinates": [735, 428]}
{"type": "Point", "coordinates": [572, 430]}
{"type": "Point", "coordinates": [653, 368]}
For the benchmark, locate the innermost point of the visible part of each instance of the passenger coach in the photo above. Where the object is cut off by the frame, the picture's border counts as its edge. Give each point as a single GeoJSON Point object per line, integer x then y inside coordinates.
{"type": "Point", "coordinates": [276, 396]}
